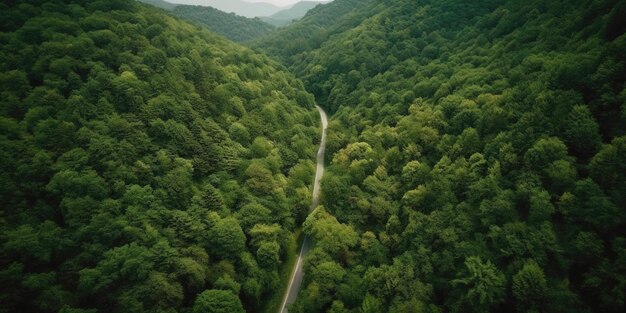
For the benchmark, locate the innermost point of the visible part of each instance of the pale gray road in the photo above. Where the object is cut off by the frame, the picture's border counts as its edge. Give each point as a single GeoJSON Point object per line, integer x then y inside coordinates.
{"type": "Point", "coordinates": [297, 273]}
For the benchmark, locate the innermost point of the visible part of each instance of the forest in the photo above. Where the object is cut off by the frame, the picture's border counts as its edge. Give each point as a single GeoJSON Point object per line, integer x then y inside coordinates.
{"type": "Point", "coordinates": [234, 27]}
{"type": "Point", "coordinates": [478, 155]}
{"type": "Point", "coordinates": [476, 158]}
{"type": "Point", "coordinates": [147, 165]}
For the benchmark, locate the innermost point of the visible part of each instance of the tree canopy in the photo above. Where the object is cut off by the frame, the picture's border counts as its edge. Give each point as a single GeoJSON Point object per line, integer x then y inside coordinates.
{"type": "Point", "coordinates": [474, 146]}
{"type": "Point", "coordinates": [126, 162]}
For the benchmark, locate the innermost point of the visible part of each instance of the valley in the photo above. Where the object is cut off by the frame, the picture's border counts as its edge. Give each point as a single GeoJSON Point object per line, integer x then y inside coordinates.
{"type": "Point", "coordinates": [351, 156]}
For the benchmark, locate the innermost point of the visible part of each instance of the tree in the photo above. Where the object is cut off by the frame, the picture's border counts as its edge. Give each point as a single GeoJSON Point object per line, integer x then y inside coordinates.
{"type": "Point", "coordinates": [252, 214]}
{"type": "Point", "coordinates": [268, 254]}
{"type": "Point", "coordinates": [484, 284]}
{"type": "Point", "coordinates": [331, 235]}
{"type": "Point", "coordinates": [540, 208]}
{"type": "Point", "coordinates": [544, 152]}
{"type": "Point", "coordinates": [156, 292]}
{"type": "Point", "coordinates": [581, 132]}
{"type": "Point", "coordinates": [54, 134]}
{"type": "Point", "coordinates": [217, 301]}
{"type": "Point", "coordinates": [561, 175]}
{"type": "Point", "coordinates": [260, 179]}
{"type": "Point", "coordinates": [228, 238]}
{"type": "Point", "coordinates": [211, 198]}
{"type": "Point", "coordinates": [68, 309]}
{"type": "Point", "coordinates": [530, 287]}
{"type": "Point", "coordinates": [326, 278]}
{"type": "Point", "coordinates": [371, 304]}
{"type": "Point", "coordinates": [226, 282]}
{"type": "Point", "coordinates": [499, 210]}
{"type": "Point", "coordinates": [608, 166]}
{"type": "Point", "coordinates": [177, 185]}
{"type": "Point", "coordinates": [593, 207]}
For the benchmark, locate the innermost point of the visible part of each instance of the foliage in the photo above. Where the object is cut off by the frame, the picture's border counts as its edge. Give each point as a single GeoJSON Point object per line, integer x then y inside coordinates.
{"type": "Point", "coordinates": [125, 162]}
{"type": "Point", "coordinates": [229, 25]}
{"type": "Point", "coordinates": [476, 146]}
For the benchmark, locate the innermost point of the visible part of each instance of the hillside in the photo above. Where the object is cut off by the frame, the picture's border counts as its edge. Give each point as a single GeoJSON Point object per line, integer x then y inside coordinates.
{"type": "Point", "coordinates": [229, 25]}
{"type": "Point", "coordinates": [292, 13]}
{"type": "Point", "coordinates": [146, 165]}
{"type": "Point", "coordinates": [478, 155]}
{"type": "Point", "coordinates": [474, 159]}
{"type": "Point", "coordinates": [160, 4]}
{"type": "Point", "coordinates": [308, 34]}
{"type": "Point", "coordinates": [239, 7]}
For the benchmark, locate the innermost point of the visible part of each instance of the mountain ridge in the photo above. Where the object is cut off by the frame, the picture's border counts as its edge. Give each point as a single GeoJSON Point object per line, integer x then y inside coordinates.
{"type": "Point", "coordinates": [240, 7]}
{"type": "Point", "coordinates": [232, 26]}
{"type": "Point", "coordinates": [291, 13]}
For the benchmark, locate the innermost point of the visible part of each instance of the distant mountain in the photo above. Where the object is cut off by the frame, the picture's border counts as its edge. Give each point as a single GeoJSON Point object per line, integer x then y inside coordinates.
{"type": "Point", "coordinates": [295, 12]}
{"type": "Point", "coordinates": [238, 7]}
{"type": "Point", "coordinates": [229, 25]}
{"type": "Point", "coordinates": [160, 4]}
{"type": "Point", "coordinates": [314, 28]}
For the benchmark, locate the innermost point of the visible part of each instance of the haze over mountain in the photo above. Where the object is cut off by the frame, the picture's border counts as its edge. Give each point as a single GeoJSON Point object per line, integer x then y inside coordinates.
{"type": "Point", "coordinates": [285, 3]}
{"type": "Point", "coordinates": [292, 13]}
{"type": "Point", "coordinates": [253, 8]}
{"type": "Point", "coordinates": [314, 29]}
{"type": "Point", "coordinates": [240, 7]}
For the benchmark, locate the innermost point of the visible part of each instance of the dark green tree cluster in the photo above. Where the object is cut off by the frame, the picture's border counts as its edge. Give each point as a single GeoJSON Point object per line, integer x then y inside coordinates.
{"type": "Point", "coordinates": [229, 25]}
{"type": "Point", "coordinates": [478, 157]}
{"type": "Point", "coordinates": [146, 165]}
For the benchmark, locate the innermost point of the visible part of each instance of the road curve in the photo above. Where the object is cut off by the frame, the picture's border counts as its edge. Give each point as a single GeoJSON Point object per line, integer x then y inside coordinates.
{"type": "Point", "coordinates": [297, 274]}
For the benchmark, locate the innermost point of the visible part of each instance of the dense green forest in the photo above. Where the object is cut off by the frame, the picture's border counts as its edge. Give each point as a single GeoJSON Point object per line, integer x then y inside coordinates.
{"type": "Point", "coordinates": [147, 165]}
{"type": "Point", "coordinates": [478, 155]}
{"type": "Point", "coordinates": [476, 158]}
{"type": "Point", "coordinates": [229, 25]}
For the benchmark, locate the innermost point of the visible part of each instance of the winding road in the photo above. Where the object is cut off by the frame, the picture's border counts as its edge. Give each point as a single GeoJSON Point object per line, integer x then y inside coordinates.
{"type": "Point", "coordinates": [297, 273]}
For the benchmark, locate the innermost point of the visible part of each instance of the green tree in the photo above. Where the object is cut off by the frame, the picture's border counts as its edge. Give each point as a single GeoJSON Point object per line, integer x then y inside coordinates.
{"type": "Point", "coordinates": [252, 214]}
{"type": "Point", "coordinates": [331, 235]}
{"type": "Point", "coordinates": [484, 284]}
{"type": "Point", "coordinates": [177, 185]}
{"type": "Point", "coordinates": [540, 208]}
{"type": "Point", "coordinates": [530, 287]}
{"type": "Point", "coordinates": [544, 152]}
{"type": "Point", "coordinates": [268, 254]}
{"type": "Point", "coordinates": [260, 179]}
{"type": "Point", "coordinates": [582, 132]}
{"type": "Point", "coordinates": [217, 301]}
{"type": "Point", "coordinates": [607, 167]}
{"type": "Point", "coordinates": [228, 238]}
{"type": "Point", "coordinates": [226, 282]}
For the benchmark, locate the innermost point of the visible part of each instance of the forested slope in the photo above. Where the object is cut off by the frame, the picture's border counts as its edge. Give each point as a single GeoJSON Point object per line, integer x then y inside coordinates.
{"type": "Point", "coordinates": [478, 157]}
{"type": "Point", "coordinates": [160, 4]}
{"type": "Point", "coordinates": [295, 12]}
{"type": "Point", "coordinates": [229, 25]}
{"type": "Point", "coordinates": [146, 165]}
{"type": "Point", "coordinates": [307, 34]}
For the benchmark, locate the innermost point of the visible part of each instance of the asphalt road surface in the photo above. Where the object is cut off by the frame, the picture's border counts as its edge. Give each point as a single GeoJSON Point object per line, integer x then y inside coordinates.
{"type": "Point", "coordinates": [297, 273]}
